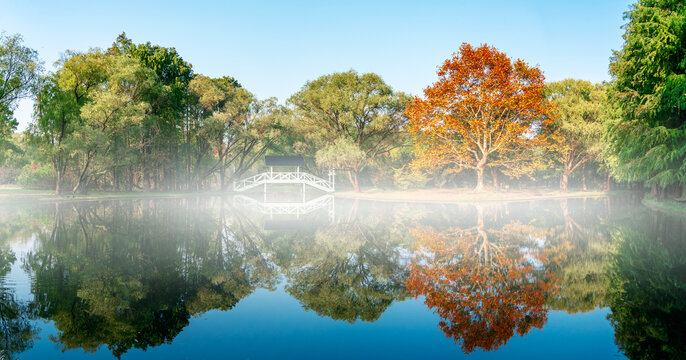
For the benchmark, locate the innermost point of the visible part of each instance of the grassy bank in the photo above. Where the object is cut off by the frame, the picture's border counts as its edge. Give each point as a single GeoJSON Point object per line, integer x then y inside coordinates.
{"type": "Point", "coordinates": [464, 195]}
{"type": "Point", "coordinates": [669, 206]}
{"type": "Point", "coordinates": [11, 193]}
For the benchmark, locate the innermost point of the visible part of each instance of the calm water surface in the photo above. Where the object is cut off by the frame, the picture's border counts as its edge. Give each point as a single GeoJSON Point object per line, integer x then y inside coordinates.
{"type": "Point", "coordinates": [222, 277]}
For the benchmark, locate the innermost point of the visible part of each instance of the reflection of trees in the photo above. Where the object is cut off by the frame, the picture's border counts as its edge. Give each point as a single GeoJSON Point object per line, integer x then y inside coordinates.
{"type": "Point", "coordinates": [647, 293]}
{"type": "Point", "coordinates": [16, 330]}
{"type": "Point", "coordinates": [351, 270]}
{"type": "Point", "coordinates": [583, 278]}
{"type": "Point", "coordinates": [130, 275]}
{"type": "Point", "coordinates": [485, 284]}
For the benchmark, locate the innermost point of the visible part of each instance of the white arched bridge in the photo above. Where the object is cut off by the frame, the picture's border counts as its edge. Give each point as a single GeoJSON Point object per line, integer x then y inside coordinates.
{"type": "Point", "coordinates": [286, 177]}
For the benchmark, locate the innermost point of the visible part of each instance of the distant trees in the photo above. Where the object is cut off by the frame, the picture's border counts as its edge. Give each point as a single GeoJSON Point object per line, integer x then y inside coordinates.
{"type": "Point", "coordinates": [484, 111]}
{"type": "Point", "coordinates": [649, 138]}
{"type": "Point", "coordinates": [348, 120]}
{"type": "Point", "coordinates": [136, 117]}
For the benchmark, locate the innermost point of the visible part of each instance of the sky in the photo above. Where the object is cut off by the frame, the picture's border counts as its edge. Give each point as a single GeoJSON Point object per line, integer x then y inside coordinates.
{"type": "Point", "coordinates": [274, 47]}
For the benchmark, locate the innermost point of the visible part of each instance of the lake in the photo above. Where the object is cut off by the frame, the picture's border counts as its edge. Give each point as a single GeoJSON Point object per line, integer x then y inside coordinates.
{"type": "Point", "coordinates": [324, 277]}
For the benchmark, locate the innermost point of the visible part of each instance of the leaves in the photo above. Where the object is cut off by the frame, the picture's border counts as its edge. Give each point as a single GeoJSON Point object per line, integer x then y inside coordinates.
{"type": "Point", "coordinates": [650, 91]}
{"type": "Point", "coordinates": [20, 72]}
{"type": "Point", "coordinates": [352, 109]}
{"type": "Point", "coordinates": [484, 110]}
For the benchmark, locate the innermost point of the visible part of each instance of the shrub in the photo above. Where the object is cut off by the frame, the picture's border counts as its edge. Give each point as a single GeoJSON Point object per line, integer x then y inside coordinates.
{"type": "Point", "coordinates": [37, 176]}
{"type": "Point", "coordinates": [405, 178]}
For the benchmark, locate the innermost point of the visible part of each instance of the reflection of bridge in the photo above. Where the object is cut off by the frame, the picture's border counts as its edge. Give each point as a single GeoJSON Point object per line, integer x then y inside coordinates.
{"type": "Point", "coordinates": [288, 208]}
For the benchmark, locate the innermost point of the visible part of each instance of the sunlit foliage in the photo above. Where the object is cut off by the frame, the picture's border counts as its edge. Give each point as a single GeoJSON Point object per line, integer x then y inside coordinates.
{"type": "Point", "coordinates": [484, 111]}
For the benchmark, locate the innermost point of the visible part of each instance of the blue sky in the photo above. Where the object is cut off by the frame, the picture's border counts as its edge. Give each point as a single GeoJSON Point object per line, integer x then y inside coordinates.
{"type": "Point", "coordinates": [274, 47]}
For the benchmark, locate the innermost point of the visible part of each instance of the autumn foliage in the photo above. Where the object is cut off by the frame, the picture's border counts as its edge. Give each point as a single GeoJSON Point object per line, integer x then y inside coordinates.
{"type": "Point", "coordinates": [484, 111]}
{"type": "Point", "coordinates": [483, 286]}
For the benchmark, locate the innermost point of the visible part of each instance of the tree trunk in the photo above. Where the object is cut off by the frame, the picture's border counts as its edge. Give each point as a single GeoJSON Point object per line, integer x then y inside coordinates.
{"type": "Point", "coordinates": [479, 179]}
{"type": "Point", "coordinates": [682, 196]}
{"type": "Point", "coordinates": [583, 178]}
{"type": "Point", "coordinates": [58, 181]}
{"type": "Point", "coordinates": [82, 176]}
{"type": "Point", "coordinates": [494, 173]}
{"type": "Point", "coordinates": [564, 180]}
{"type": "Point", "coordinates": [354, 180]}
{"type": "Point", "coordinates": [221, 178]}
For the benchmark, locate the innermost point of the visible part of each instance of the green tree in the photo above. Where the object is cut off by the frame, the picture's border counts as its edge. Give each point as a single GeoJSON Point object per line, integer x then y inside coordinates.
{"type": "Point", "coordinates": [158, 153]}
{"type": "Point", "coordinates": [579, 123]}
{"type": "Point", "coordinates": [232, 124]}
{"type": "Point", "coordinates": [20, 71]}
{"type": "Point", "coordinates": [57, 115]}
{"type": "Point", "coordinates": [114, 108]}
{"type": "Point", "coordinates": [361, 111]}
{"type": "Point", "coordinates": [649, 139]}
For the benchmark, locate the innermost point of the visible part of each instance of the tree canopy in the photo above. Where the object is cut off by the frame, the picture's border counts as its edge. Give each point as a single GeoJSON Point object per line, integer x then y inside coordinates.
{"type": "Point", "coordinates": [578, 124]}
{"type": "Point", "coordinates": [649, 138]}
{"type": "Point", "coordinates": [484, 111]}
{"type": "Point", "coordinates": [20, 71]}
{"type": "Point", "coordinates": [357, 116]}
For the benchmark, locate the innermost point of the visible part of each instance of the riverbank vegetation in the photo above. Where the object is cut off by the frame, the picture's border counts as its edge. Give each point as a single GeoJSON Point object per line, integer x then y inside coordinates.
{"type": "Point", "coordinates": [138, 117]}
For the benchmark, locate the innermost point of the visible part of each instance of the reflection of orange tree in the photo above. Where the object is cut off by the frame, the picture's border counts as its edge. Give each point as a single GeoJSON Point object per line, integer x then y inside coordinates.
{"type": "Point", "coordinates": [484, 284]}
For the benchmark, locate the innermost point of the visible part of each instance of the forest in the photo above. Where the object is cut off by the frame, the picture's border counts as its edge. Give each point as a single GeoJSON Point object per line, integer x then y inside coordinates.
{"type": "Point", "coordinates": [136, 117]}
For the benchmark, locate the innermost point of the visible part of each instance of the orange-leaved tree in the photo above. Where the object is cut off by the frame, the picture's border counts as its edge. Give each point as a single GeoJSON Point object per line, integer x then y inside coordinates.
{"type": "Point", "coordinates": [484, 111]}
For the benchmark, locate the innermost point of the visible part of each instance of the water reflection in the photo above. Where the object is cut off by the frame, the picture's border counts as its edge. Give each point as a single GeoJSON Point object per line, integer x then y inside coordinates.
{"type": "Point", "coordinates": [128, 275]}
{"type": "Point", "coordinates": [16, 330]}
{"type": "Point", "coordinates": [486, 284]}
{"type": "Point", "coordinates": [349, 270]}
{"type": "Point", "coordinates": [647, 293]}
{"type": "Point", "coordinates": [131, 274]}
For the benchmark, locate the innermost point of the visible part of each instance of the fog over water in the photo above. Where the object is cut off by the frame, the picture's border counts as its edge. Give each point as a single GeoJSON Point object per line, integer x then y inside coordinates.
{"type": "Point", "coordinates": [324, 277]}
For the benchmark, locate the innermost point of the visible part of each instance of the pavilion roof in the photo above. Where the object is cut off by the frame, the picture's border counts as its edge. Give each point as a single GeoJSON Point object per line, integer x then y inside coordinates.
{"type": "Point", "coordinates": [284, 161]}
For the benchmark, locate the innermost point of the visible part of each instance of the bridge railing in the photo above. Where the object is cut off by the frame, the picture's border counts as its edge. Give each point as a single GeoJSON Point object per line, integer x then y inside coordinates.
{"type": "Point", "coordinates": [270, 177]}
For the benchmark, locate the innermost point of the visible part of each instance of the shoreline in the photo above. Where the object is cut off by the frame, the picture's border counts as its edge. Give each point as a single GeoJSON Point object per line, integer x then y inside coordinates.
{"type": "Point", "coordinates": [455, 196]}
{"type": "Point", "coordinates": [437, 196]}
{"type": "Point", "coordinates": [18, 194]}
{"type": "Point", "coordinates": [667, 206]}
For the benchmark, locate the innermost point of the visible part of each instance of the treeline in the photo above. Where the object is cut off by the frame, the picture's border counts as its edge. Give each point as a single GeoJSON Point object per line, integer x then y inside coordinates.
{"type": "Point", "coordinates": [137, 117]}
